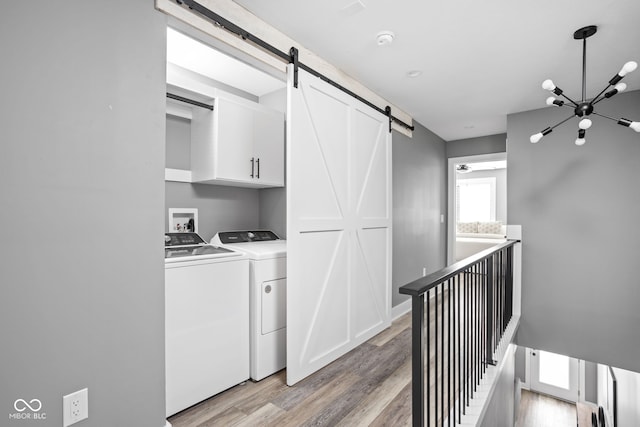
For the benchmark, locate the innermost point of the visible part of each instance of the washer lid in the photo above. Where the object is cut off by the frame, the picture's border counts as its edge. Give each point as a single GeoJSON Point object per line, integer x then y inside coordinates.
{"type": "Point", "coordinates": [196, 251]}
{"type": "Point", "coordinates": [190, 246]}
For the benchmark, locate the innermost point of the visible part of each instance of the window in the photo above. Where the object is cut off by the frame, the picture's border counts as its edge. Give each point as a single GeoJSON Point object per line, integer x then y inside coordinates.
{"type": "Point", "coordinates": [476, 199]}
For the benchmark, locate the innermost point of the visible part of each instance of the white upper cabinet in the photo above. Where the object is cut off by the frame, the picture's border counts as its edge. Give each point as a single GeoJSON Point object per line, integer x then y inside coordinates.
{"type": "Point", "coordinates": [239, 143]}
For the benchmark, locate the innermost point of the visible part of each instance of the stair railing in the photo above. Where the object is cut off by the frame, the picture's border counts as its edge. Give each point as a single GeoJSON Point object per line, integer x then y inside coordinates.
{"type": "Point", "coordinates": [472, 306]}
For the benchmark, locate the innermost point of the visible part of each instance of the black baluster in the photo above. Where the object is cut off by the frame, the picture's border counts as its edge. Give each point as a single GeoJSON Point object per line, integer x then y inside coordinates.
{"type": "Point", "coordinates": [459, 352]}
{"type": "Point", "coordinates": [435, 371]}
{"type": "Point", "coordinates": [428, 359]}
{"type": "Point", "coordinates": [442, 355]}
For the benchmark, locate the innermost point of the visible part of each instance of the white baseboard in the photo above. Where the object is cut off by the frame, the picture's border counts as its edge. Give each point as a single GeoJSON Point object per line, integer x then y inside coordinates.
{"type": "Point", "coordinates": [400, 309]}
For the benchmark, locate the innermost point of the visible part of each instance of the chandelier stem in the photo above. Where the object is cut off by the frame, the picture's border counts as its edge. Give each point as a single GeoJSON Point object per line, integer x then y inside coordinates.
{"type": "Point", "coordinates": [584, 69]}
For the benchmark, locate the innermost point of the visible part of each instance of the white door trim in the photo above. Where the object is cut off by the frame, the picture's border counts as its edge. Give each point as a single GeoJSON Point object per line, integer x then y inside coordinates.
{"type": "Point", "coordinates": [581, 375]}
{"type": "Point", "coordinates": [451, 194]}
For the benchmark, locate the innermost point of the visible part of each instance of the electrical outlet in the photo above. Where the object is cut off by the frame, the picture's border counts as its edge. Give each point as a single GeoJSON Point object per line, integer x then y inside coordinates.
{"type": "Point", "coordinates": [75, 407]}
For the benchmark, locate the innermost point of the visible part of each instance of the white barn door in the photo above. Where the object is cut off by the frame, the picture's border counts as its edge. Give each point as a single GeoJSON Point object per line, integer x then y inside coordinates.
{"type": "Point", "coordinates": [338, 224]}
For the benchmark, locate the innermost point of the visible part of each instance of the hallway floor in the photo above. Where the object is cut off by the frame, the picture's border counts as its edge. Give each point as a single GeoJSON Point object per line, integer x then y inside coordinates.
{"type": "Point", "coordinates": [539, 410]}
{"type": "Point", "coordinates": [371, 385]}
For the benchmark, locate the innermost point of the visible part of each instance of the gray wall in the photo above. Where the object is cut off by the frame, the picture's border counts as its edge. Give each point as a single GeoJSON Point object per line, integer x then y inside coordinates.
{"type": "Point", "coordinates": [591, 382]}
{"type": "Point", "coordinates": [476, 146]}
{"type": "Point", "coordinates": [220, 208]}
{"type": "Point", "coordinates": [81, 182]}
{"type": "Point", "coordinates": [521, 363]}
{"type": "Point", "coordinates": [579, 210]}
{"type": "Point", "coordinates": [178, 143]}
{"type": "Point", "coordinates": [273, 210]}
{"type": "Point", "coordinates": [419, 198]}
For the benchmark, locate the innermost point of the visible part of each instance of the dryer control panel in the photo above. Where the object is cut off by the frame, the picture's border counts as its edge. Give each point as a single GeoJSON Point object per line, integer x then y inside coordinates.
{"type": "Point", "coordinates": [227, 237]}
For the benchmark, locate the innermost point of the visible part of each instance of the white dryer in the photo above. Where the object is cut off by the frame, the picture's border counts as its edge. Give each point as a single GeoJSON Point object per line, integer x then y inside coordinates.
{"type": "Point", "coordinates": [267, 255]}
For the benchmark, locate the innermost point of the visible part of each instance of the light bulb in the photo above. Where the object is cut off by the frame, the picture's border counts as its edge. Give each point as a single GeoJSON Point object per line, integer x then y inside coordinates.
{"type": "Point", "coordinates": [548, 85]}
{"type": "Point", "coordinates": [550, 100]}
{"type": "Point", "coordinates": [585, 124]}
{"type": "Point", "coordinates": [635, 126]}
{"type": "Point", "coordinates": [628, 68]}
{"type": "Point", "coordinates": [580, 141]}
{"type": "Point", "coordinates": [536, 137]}
{"type": "Point", "coordinates": [620, 87]}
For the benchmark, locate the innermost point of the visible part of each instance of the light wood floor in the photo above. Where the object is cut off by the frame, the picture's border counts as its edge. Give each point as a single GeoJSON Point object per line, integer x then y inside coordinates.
{"type": "Point", "coordinates": [538, 410]}
{"type": "Point", "coordinates": [369, 386]}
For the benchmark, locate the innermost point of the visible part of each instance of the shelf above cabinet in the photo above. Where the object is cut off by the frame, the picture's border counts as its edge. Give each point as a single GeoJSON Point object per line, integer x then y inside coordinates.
{"type": "Point", "coordinates": [177, 175]}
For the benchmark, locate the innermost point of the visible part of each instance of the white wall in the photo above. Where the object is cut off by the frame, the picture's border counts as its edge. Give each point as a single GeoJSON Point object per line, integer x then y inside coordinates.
{"type": "Point", "coordinates": [628, 395]}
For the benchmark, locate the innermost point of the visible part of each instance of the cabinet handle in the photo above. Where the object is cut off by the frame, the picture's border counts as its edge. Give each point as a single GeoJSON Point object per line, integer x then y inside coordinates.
{"type": "Point", "coordinates": [252, 165]}
{"type": "Point", "coordinates": [258, 163]}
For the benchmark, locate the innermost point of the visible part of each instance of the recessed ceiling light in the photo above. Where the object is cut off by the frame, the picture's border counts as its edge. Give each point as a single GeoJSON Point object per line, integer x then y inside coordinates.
{"type": "Point", "coordinates": [385, 38]}
{"type": "Point", "coordinates": [414, 73]}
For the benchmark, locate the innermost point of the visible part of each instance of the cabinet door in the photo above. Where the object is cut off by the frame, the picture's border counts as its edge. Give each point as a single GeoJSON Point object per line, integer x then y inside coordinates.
{"type": "Point", "coordinates": [234, 141]}
{"type": "Point", "coordinates": [268, 137]}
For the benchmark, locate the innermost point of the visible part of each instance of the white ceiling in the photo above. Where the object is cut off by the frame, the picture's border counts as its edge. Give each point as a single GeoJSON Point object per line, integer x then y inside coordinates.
{"type": "Point", "coordinates": [481, 60]}
{"type": "Point", "coordinates": [193, 55]}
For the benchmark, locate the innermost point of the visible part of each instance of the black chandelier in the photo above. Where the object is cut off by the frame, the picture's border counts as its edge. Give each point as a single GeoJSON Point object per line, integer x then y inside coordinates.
{"type": "Point", "coordinates": [584, 108]}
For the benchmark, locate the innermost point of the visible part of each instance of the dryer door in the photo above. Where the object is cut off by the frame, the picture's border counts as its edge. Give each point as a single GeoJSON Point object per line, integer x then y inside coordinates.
{"type": "Point", "coordinates": [274, 305]}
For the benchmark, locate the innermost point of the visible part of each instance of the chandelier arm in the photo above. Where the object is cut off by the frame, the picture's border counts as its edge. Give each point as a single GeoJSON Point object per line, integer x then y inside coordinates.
{"type": "Point", "coordinates": [606, 117]}
{"type": "Point", "coordinates": [565, 120]}
{"type": "Point", "coordinates": [575, 104]}
{"type": "Point", "coordinates": [595, 100]}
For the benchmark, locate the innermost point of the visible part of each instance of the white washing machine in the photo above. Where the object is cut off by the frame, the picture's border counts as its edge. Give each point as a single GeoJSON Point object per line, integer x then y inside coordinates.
{"type": "Point", "coordinates": [206, 320]}
{"type": "Point", "coordinates": [267, 255]}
